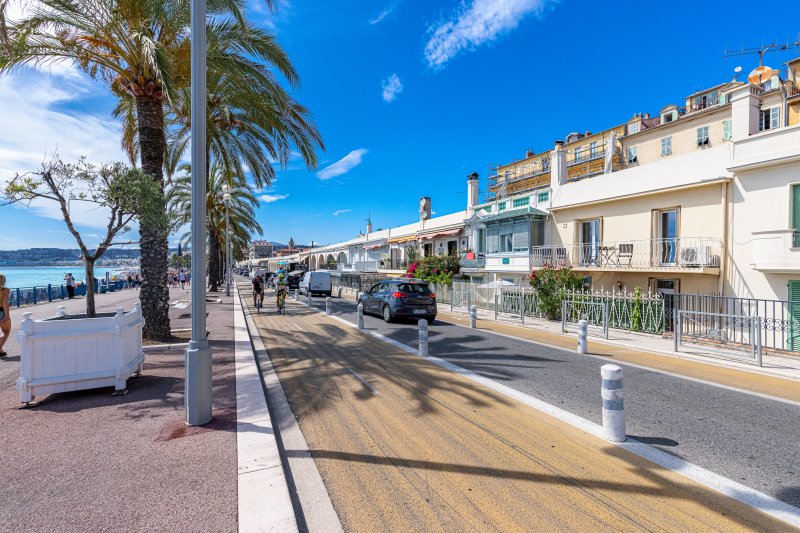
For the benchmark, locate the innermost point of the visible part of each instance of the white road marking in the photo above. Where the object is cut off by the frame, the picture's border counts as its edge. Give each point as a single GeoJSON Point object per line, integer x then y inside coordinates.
{"type": "Point", "coordinates": [741, 493]}
{"type": "Point", "coordinates": [366, 383]}
{"type": "Point", "coordinates": [297, 326]}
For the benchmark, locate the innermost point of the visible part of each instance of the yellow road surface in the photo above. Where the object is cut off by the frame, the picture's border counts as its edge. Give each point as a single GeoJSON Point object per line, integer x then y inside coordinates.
{"type": "Point", "coordinates": [404, 445]}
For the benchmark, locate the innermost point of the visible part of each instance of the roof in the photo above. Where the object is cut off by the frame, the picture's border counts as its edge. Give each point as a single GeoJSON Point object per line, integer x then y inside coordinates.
{"type": "Point", "coordinates": [513, 213]}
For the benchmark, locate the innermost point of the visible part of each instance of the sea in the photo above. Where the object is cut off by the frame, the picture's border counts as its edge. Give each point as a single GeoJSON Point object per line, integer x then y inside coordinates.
{"type": "Point", "coordinates": [23, 277]}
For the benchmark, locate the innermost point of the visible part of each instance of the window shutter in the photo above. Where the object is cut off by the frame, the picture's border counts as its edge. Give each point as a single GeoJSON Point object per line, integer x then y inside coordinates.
{"type": "Point", "coordinates": [796, 207]}
{"type": "Point", "coordinates": [726, 130]}
{"type": "Point", "coordinates": [793, 338]}
{"type": "Point", "coordinates": [774, 118]}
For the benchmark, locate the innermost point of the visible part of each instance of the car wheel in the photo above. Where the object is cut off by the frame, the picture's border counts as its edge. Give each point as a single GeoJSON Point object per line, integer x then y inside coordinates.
{"type": "Point", "coordinates": [387, 314]}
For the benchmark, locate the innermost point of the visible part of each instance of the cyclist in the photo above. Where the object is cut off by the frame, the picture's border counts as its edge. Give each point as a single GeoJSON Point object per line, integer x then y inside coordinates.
{"type": "Point", "coordinates": [258, 292]}
{"type": "Point", "coordinates": [280, 291]}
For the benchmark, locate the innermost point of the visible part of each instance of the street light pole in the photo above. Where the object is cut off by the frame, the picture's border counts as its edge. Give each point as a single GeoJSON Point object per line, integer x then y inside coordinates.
{"type": "Point", "coordinates": [227, 199]}
{"type": "Point", "coordinates": [197, 384]}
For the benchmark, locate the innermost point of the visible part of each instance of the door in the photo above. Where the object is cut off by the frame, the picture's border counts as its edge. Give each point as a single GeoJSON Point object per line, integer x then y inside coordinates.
{"type": "Point", "coordinates": [668, 236]}
{"type": "Point", "coordinates": [452, 247]}
{"type": "Point", "coordinates": [373, 301]}
{"type": "Point", "coordinates": [667, 288]}
{"type": "Point", "coordinates": [590, 241]}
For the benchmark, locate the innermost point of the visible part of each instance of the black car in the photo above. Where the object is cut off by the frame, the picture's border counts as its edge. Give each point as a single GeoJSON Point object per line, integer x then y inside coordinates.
{"type": "Point", "coordinates": [400, 297]}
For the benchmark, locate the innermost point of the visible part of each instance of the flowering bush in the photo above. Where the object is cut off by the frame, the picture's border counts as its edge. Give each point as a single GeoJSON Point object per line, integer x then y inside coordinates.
{"type": "Point", "coordinates": [438, 269]}
{"type": "Point", "coordinates": [551, 284]}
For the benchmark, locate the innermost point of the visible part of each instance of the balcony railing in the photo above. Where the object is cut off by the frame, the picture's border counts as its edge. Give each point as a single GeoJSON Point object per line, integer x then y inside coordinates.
{"type": "Point", "coordinates": [472, 261]}
{"type": "Point", "coordinates": [793, 88]}
{"type": "Point", "coordinates": [586, 153]}
{"type": "Point", "coordinates": [521, 172]}
{"type": "Point", "coordinates": [679, 253]}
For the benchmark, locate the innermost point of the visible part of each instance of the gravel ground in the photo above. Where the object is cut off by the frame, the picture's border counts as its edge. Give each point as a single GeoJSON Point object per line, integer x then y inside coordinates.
{"type": "Point", "coordinates": [87, 461]}
{"type": "Point", "coordinates": [752, 440]}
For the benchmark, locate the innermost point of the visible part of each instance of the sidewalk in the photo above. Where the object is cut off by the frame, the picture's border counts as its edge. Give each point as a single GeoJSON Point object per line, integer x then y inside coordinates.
{"type": "Point", "coordinates": [87, 461]}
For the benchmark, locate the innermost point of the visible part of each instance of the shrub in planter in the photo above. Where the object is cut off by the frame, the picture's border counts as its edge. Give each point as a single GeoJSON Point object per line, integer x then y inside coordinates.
{"type": "Point", "coordinates": [551, 284]}
{"type": "Point", "coordinates": [636, 310]}
{"type": "Point", "coordinates": [438, 269]}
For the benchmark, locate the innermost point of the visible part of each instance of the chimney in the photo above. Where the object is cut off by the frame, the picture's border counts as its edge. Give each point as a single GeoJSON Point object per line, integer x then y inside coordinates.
{"type": "Point", "coordinates": [745, 106]}
{"type": "Point", "coordinates": [472, 193]}
{"type": "Point", "coordinates": [529, 153]}
{"type": "Point", "coordinates": [647, 115]}
{"type": "Point", "coordinates": [558, 165]}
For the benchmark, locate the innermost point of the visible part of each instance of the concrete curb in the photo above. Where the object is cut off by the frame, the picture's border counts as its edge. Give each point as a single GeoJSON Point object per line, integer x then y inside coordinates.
{"type": "Point", "coordinates": [264, 502]}
{"type": "Point", "coordinates": [308, 491]}
{"type": "Point", "coordinates": [159, 347]}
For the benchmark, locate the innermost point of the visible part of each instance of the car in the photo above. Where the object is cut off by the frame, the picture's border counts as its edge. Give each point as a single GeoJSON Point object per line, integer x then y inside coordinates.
{"type": "Point", "coordinates": [317, 282]}
{"type": "Point", "coordinates": [400, 298]}
{"type": "Point", "coordinates": [292, 282]}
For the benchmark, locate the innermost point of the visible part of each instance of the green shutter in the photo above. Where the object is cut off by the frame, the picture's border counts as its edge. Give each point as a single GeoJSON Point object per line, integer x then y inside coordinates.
{"type": "Point", "coordinates": [793, 340]}
{"type": "Point", "coordinates": [796, 207]}
{"type": "Point", "coordinates": [726, 130]}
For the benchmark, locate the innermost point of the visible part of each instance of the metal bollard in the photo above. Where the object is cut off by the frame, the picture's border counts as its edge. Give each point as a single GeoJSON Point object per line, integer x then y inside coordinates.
{"type": "Point", "coordinates": [327, 305]}
{"type": "Point", "coordinates": [613, 403]}
{"type": "Point", "coordinates": [469, 302]}
{"type": "Point", "coordinates": [296, 295]}
{"type": "Point", "coordinates": [360, 316]}
{"type": "Point", "coordinates": [308, 298]}
{"type": "Point", "coordinates": [522, 308]}
{"type": "Point", "coordinates": [496, 305]}
{"type": "Point", "coordinates": [61, 311]}
{"type": "Point", "coordinates": [473, 316]}
{"type": "Point", "coordinates": [583, 336]}
{"type": "Point", "coordinates": [340, 292]}
{"type": "Point", "coordinates": [423, 338]}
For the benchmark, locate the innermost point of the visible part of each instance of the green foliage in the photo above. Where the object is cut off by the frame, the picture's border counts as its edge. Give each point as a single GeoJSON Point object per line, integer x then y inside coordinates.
{"type": "Point", "coordinates": [438, 269]}
{"type": "Point", "coordinates": [636, 310]}
{"type": "Point", "coordinates": [551, 285]}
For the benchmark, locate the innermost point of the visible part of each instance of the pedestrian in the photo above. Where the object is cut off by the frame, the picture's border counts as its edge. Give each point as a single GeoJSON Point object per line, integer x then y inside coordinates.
{"type": "Point", "coordinates": [188, 279]}
{"type": "Point", "coordinates": [70, 281]}
{"type": "Point", "coordinates": [138, 281]}
{"type": "Point", "coordinates": [129, 282]}
{"type": "Point", "coordinates": [182, 279]}
{"type": "Point", "coordinates": [5, 314]}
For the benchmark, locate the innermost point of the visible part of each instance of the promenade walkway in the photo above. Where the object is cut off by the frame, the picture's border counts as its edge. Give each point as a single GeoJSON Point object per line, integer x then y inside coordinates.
{"type": "Point", "coordinates": [403, 444]}
{"type": "Point", "coordinates": [87, 461]}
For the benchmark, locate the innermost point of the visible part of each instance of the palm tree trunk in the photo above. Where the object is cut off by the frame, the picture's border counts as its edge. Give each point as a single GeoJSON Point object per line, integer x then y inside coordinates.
{"type": "Point", "coordinates": [154, 294]}
{"type": "Point", "coordinates": [213, 260]}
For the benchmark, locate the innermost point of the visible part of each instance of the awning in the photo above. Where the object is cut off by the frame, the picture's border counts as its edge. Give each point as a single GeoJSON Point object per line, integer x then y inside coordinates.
{"type": "Point", "coordinates": [407, 238]}
{"type": "Point", "coordinates": [431, 236]}
{"type": "Point", "coordinates": [514, 213]}
{"type": "Point", "coordinates": [374, 245]}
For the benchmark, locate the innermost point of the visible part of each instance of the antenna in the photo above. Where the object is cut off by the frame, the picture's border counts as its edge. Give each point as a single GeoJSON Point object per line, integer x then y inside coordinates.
{"type": "Point", "coordinates": [761, 50]}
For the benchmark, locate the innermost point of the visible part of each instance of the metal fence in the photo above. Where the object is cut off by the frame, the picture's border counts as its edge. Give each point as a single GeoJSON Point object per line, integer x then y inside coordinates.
{"type": "Point", "coordinates": [778, 320]}
{"type": "Point", "coordinates": [724, 330]}
{"type": "Point", "coordinates": [32, 295]}
{"type": "Point", "coordinates": [595, 313]}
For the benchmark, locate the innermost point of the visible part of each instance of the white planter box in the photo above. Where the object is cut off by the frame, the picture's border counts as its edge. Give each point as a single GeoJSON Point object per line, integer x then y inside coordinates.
{"type": "Point", "coordinates": [61, 355]}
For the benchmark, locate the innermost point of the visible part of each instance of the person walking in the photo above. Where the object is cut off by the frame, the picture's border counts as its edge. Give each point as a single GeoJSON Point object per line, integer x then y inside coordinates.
{"type": "Point", "coordinates": [182, 279]}
{"type": "Point", "coordinates": [5, 316]}
{"type": "Point", "coordinates": [137, 281]}
{"type": "Point", "coordinates": [70, 285]}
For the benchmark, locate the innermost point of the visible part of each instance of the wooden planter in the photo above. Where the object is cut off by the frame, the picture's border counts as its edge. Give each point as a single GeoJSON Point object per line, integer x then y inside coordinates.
{"type": "Point", "coordinates": [61, 354]}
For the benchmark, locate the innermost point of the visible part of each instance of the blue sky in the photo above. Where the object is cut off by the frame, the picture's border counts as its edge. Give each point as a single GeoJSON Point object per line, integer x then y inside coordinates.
{"type": "Point", "coordinates": [413, 95]}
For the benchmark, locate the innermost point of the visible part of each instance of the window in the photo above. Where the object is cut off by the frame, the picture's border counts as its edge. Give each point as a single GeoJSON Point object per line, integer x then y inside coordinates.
{"type": "Point", "coordinates": [769, 84]}
{"type": "Point", "coordinates": [633, 128]}
{"type": "Point", "coordinates": [544, 196]}
{"type": "Point", "coordinates": [590, 241]}
{"type": "Point", "coordinates": [666, 146]}
{"type": "Point", "coordinates": [482, 241]}
{"type": "Point", "coordinates": [593, 149]}
{"type": "Point", "coordinates": [501, 206]}
{"type": "Point", "coordinates": [632, 155]}
{"type": "Point", "coordinates": [667, 117]}
{"type": "Point", "coordinates": [702, 136]}
{"type": "Point", "coordinates": [769, 119]}
{"type": "Point", "coordinates": [577, 156]}
{"type": "Point", "coordinates": [668, 236]}
{"type": "Point", "coordinates": [520, 202]}
{"type": "Point", "coordinates": [487, 208]}
{"type": "Point", "coordinates": [506, 238]}
{"type": "Point", "coordinates": [726, 130]}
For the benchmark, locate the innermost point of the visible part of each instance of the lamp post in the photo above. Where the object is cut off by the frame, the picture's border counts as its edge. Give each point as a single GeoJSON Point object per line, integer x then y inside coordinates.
{"type": "Point", "coordinates": [227, 199]}
{"type": "Point", "coordinates": [197, 383]}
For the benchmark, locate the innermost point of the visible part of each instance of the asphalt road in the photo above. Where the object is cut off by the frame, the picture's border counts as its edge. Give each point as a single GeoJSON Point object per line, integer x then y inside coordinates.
{"type": "Point", "coordinates": [405, 445]}
{"type": "Point", "coordinates": [752, 440]}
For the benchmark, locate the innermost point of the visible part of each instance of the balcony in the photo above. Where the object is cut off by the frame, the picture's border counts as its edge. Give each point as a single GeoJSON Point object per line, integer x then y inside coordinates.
{"type": "Point", "coordinates": [776, 251]}
{"type": "Point", "coordinates": [522, 172]}
{"type": "Point", "coordinates": [688, 254]}
{"type": "Point", "coordinates": [471, 261]}
{"type": "Point", "coordinates": [589, 161]}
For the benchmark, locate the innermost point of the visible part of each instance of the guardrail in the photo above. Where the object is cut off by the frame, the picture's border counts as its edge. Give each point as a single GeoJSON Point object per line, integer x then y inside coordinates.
{"type": "Point", "coordinates": [47, 293]}
{"type": "Point", "coordinates": [680, 253]}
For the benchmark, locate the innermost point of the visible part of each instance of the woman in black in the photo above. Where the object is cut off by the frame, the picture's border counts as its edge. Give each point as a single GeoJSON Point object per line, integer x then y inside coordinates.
{"type": "Point", "coordinates": [258, 292]}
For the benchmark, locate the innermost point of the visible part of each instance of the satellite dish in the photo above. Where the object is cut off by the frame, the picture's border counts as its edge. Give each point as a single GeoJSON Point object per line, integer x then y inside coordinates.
{"type": "Point", "coordinates": [737, 70]}
{"type": "Point", "coordinates": [760, 75]}
{"type": "Point", "coordinates": [424, 214]}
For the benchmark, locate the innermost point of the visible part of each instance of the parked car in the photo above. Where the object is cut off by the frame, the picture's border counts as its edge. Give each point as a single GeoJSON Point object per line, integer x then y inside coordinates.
{"type": "Point", "coordinates": [317, 282]}
{"type": "Point", "coordinates": [394, 298]}
{"type": "Point", "coordinates": [292, 282]}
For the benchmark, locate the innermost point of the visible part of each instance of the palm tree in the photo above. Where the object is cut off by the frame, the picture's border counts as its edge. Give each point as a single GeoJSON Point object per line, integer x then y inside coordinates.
{"type": "Point", "coordinates": [242, 211]}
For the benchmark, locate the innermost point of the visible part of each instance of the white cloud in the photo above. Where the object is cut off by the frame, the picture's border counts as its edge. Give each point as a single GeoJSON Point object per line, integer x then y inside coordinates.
{"type": "Point", "coordinates": [341, 212]}
{"type": "Point", "coordinates": [392, 86]}
{"type": "Point", "coordinates": [475, 24]}
{"type": "Point", "coordinates": [385, 13]}
{"type": "Point", "coordinates": [342, 166]}
{"type": "Point", "coordinates": [269, 198]}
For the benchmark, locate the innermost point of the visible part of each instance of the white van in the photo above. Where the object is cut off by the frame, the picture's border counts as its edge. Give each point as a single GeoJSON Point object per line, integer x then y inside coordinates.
{"type": "Point", "coordinates": [317, 282]}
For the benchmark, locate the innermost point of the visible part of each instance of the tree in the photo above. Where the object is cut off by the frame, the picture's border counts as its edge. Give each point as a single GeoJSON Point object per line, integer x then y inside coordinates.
{"type": "Point", "coordinates": [124, 193]}
{"type": "Point", "coordinates": [551, 285]}
{"type": "Point", "coordinates": [140, 49]}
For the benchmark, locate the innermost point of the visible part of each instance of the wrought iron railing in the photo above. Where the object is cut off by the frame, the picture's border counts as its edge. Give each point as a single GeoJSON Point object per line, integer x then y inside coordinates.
{"type": "Point", "coordinates": [20, 296]}
{"type": "Point", "coordinates": [678, 253]}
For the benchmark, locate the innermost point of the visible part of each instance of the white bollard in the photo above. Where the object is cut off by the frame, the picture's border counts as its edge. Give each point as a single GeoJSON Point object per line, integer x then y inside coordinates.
{"type": "Point", "coordinates": [469, 302]}
{"type": "Point", "coordinates": [360, 316]}
{"type": "Point", "coordinates": [583, 336]}
{"type": "Point", "coordinates": [308, 298]}
{"type": "Point", "coordinates": [327, 305]}
{"type": "Point", "coordinates": [473, 317]}
{"type": "Point", "coordinates": [423, 338]}
{"type": "Point", "coordinates": [296, 295]}
{"type": "Point", "coordinates": [61, 311]}
{"type": "Point", "coordinates": [496, 305]}
{"type": "Point", "coordinates": [613, 403]}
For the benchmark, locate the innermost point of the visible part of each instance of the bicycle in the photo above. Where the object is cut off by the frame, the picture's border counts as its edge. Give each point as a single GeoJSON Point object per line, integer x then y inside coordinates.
{"type": "Point", "coordinates": [282, 302]}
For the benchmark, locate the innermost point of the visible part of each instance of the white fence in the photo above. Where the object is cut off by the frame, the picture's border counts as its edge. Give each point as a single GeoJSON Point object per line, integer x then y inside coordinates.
{"type": "Point", "coordinates": [722, 331]}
